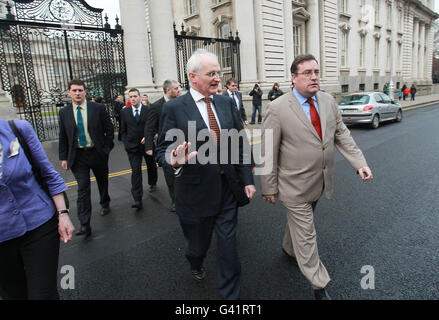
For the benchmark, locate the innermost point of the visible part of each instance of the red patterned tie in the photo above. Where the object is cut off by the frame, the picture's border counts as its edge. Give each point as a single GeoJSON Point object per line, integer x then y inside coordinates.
{"type": "Point", "coordinates": [315, 118]}
{"type": "Point", "coordinates": [213, 124]}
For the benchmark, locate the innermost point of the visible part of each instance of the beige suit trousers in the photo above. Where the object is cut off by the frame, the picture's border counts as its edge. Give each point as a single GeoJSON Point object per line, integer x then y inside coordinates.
{"type": "Point", "coordinates": [300, 241]}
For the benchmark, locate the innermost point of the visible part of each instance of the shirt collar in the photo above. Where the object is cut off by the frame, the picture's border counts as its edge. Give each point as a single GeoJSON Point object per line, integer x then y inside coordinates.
{"type": "Point", "coordinates": [166, 98]}
{"type": "Point", "coordinates": [301, 98]}
{"type": "Point", "coordinates": [83, 105]}
{"type": "Point", "coordinates": [229, 92]}
{"type": "Point", "coordinates": [198, 96]}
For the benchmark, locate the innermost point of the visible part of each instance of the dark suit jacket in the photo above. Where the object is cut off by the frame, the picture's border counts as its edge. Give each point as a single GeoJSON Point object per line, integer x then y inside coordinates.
{"type": "Point", "coordinates": [241, 112]}
{"type": "Point", "coordinates": [198, 186]}
{"type": "Point", "coordinates": [100, 128]}
{"type": "Point", "coordinates": [132, 131]}
{"type": "Point", "coordinates": [153, 122]}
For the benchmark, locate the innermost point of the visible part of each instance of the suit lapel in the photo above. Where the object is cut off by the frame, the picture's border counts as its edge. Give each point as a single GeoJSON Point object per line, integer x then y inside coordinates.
{"type": "Point", "coordinates": [219, 112]}
{"type": "Point", "coordinates": [322, 113]}
{"type": "Point", "coordinates": [298, 110]}
{"type": "Point", "coordinates": [192, 112]}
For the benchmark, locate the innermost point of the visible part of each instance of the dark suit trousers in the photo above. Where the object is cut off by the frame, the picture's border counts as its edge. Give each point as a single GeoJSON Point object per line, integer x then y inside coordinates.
{"type": "Point", "coordinates": [87, 159]}
{"type": "Point", "coordinates": [198, 233]}
{"type": "Point", "coordinates": [135, 159]}
{"type": "Point", "coordinates": [29, 264]}
{"type": "Point", "coordinates": [170, 178]}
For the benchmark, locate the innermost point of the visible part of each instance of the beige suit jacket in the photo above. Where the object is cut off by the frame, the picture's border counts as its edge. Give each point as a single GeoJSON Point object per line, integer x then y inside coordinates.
{"type": "Point", "coordinates": [302, 164]}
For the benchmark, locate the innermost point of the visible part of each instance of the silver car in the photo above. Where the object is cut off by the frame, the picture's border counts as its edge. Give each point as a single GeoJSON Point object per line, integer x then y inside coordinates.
{"type": "Point", "coordinates": [369, 107]}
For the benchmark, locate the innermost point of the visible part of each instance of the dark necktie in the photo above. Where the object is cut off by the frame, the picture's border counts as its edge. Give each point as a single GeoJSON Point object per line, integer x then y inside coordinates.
{"type": "Point", "coordinates": [315, 118]}
{"type": "Point", "coordinates": [213, 124]}
{"type": "Point", "coordinates": [137, 116]}
{"type": "Point", "coordinates": [81, 130]}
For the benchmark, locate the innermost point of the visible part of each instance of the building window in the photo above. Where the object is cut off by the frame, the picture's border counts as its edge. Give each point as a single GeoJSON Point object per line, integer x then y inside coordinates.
{"type": "Point", "coordinates": [297, 34]}
{"type": "Point", "coordinates": [389, 16]}
{"type": "Point", "coordinates": [376, 86]}
{"type": "Point", "coordinates": [345, 88]}
{"type": "Point", "coordinates": [343, 6]}
{"type": "Point", "coordinates": [377, 11]}
{"type": "Point", "coordinates": [225, 48]}
{"type": "Point", "coordinates": [344, 49]}
{"type": "Point", "coordinates": [362, 48]}
{"type": "Point", "coordinates": [362, 87]}
{"type": "Point", "coordinates": [377, 53]}
{"type": "Point", "coordinates": [191, 7]}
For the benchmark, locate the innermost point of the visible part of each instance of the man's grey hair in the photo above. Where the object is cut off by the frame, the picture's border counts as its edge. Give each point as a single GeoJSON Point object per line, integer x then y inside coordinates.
{"type": "Point", "coordinates": [168, 84]}
{"type": "Point", "coordinates": [194, 62]}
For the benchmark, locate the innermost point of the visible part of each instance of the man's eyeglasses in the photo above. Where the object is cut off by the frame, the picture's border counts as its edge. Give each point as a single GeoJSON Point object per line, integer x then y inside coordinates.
{"type": "Point", "coordinates": [309, 73]}
{"type": "Point", "coordinates": [212, 74]}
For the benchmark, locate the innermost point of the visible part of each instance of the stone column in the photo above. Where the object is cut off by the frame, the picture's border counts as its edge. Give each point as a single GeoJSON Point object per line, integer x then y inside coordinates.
{"type": "Point", "coordinates": [245, 25]}
{"type": "Point", "coordinates": [259, 41]}
{"type": "Point", "coordinates": [162, 41]}
{"type": "Point", "coordinates": [313, 29]}
{"type": "Point", "coordinates": [421, 68]}
{"type": "Point", "coordinates": [289, 41]}
{"type": "Point", "coordinates": [137, 58]}
{"type": "Point", "coordinates": [415, 48]}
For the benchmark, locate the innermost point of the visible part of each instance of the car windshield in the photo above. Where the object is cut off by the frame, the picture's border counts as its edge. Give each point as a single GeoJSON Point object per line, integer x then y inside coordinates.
{"type": "Point", "coordinates": [354, 99]}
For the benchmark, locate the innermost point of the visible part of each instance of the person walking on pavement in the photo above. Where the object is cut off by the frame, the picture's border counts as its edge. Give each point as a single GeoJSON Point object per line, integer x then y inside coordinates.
{"type": "Point", "coordinates": [306, 126]}
{"type": "Point", "coordinates": [171, 89]}
{"type": "Point", "coordinates": [275, 92]}
{"type": "Point", "coordinates": [86, 136]}
{"type": "Point", "coordinates": [118, 105]}
{"type": "Point", "coordinates": [133, 120]}
{"type": "Point", "coordinates": [232, 92]}
{"type": "Point", "coordinates": [413, 92]}
{"type": "Point", "coordinates": [256, 93]}
{"type": "Point", "coordinates": [32, 220]}
{"type": "Point", "coordinates": [207, 193]}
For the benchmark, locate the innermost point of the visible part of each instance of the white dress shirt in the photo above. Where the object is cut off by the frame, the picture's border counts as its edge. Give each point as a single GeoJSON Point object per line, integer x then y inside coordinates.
{"type": "Point", "coordinates": [134, 110]}
{"type": "Point", "coordinates": [234, 96]}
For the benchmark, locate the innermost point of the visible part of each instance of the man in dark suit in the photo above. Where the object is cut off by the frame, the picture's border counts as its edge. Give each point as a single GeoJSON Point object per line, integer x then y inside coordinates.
{"type": "Point", "coordinates": [85, 141]}
{"type": "Point", "coordinates": [207, 193]}
{"type": "Point", "coordinates": [133, 119]}
{"type": "Point", "coordinates": [171, 89]}
{"type": "Point", "coordinates": [232, 92]}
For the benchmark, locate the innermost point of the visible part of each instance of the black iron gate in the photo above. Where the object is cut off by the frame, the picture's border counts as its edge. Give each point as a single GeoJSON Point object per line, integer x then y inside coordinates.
{"type": "Point", "coordinates": [46, 43]}
{"type": "Point", "coordinates": [227, 51]}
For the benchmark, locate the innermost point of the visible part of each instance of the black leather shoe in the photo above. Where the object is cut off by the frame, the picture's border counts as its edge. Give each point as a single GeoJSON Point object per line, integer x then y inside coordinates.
{"type": "Point", "coordinates": [152, 188]}
{"type": "Point", "coordinates": [321, 294]}
{"type": "Point", "coordinates": [84, 230]}
{"type": "Point", "coordinates": [105, 211]}
{"type": "Point", "coordinates": [137, 205]}
{"type": "Point", "coordinates": [198, 274]}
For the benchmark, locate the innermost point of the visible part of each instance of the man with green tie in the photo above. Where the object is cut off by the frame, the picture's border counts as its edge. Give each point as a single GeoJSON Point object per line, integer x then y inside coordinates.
{"type": "Point", "coordinates": [85, 141]}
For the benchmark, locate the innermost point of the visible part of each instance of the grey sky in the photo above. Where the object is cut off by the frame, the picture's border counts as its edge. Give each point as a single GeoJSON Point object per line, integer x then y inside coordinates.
{"type": "Point", "coordinates": [111, 8]}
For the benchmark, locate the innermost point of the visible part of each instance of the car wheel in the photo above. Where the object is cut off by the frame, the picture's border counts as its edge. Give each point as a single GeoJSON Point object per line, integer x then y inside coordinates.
{"type": "Point", "coordinates": [398, 116]}
{"type": "Point", "coordinates": [375, 121]}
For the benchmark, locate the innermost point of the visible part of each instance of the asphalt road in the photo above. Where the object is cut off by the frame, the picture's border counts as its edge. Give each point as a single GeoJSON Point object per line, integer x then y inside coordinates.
{"type": "Point", "coordinates": [390, 224]}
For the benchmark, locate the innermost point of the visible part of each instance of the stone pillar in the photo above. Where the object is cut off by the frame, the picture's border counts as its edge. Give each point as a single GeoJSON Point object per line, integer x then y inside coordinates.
{"type": "Point", "coordinates": [289, 41]}
{"type": "Point", "coordinates": [245, 25]}
{"type": "Point", "coordinates": [7, 110]}
{"type": "Point", "coordinates": [259, 41]}
{"type": "Point", "coordinates": [415, 48]}
{"type": "Point", "coordinates": [137, 58]}
{"type": "Point", "coordinates": [162, 41]}
{"type": "Point", "coordinates": [421, 68]}
{"type": "Point", "coordinates": [313, 29]}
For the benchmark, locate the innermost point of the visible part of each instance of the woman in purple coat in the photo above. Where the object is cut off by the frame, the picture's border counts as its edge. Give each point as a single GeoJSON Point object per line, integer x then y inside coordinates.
{"type": "Point", "coordinates": [31, 222]}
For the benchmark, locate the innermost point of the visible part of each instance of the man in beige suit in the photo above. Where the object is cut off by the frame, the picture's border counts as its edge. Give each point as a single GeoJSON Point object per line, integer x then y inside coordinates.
{"type": "Point", "coordinates": [306, 125]}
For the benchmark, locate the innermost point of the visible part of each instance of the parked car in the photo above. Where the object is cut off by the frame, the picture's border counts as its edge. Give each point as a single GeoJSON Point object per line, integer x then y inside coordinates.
{"type": "Point", "coordinates": [369, 107]}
